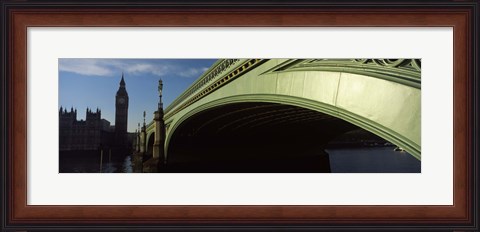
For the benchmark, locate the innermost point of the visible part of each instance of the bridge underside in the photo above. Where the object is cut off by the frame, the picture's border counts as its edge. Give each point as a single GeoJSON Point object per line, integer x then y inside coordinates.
{"type": "Point", "coordinates": [254, 137]}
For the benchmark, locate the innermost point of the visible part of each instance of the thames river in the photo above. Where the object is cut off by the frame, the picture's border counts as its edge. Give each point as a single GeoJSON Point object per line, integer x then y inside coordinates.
{"type": "Point", "coordinates": [372, 160]}
{"type": "Point", "coordinates": [342, 160]}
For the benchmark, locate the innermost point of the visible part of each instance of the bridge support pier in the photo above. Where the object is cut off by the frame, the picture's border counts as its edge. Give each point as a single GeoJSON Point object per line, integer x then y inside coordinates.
{"type": "Point", "coordinates": [157, 162]}
{"type": "Point", "coordinates": [143, 143]}
{"type": "Point", "coordinates": [140, 150]}
{"type": "Point", "coordinates": [158, 145]}
{"type": "Point", "coordinates": [137, 161]}
{"type": "Point", "coordinates": [137, 141]}
{"type": "Point", "coordinates": [151, 166]}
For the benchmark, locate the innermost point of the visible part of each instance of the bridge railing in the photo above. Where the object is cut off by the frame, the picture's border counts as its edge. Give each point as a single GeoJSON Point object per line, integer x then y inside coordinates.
{"type": "Point", "coordinates": [221, 72]}
{"type": "Point", "coordinates": [404, 71]}
{"type": "Point", "coordinates": [214, 70]}
{"type": "Point", "coordinates": [150, 125]}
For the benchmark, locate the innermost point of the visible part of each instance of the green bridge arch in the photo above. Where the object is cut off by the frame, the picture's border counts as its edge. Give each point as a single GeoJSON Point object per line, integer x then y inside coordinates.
{"type": "Point", "coordinates": [385, 100]}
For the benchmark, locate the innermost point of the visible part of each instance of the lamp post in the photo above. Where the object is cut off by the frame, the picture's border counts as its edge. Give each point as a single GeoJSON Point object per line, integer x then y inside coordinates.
{"type": "Point", "coordinates": [158, 146]}
{"type": "Point", "coordinates": [160, 89]}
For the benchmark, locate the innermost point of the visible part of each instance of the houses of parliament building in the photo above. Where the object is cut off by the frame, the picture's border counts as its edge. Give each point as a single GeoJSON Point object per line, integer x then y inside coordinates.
{"type": "Point", "coordinates": [94, 132]}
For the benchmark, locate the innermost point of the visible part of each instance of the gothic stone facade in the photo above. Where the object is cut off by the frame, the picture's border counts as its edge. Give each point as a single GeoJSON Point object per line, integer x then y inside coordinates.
{"type": "Point", "coordinates": [95, 133]}
{"type": "Point", "coordinates": [83, 135]}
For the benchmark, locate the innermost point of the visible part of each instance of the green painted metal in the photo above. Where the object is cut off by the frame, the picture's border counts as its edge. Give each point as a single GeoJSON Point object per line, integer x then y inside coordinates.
{"type": "Point", "coordinates": [404, 71]}
{"type": "Point", "coordinates": [381, 96]}
{"type": "Point", "coordinates": [150, 130]}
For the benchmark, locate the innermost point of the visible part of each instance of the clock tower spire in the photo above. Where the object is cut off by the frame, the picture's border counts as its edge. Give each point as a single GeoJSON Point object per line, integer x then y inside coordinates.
{"type": "Point", "coordinates": [121, 114]}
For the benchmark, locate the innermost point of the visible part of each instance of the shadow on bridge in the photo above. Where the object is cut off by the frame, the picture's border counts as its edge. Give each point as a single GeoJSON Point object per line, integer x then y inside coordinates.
{"type": "Point", "coordinates": [254, 138]}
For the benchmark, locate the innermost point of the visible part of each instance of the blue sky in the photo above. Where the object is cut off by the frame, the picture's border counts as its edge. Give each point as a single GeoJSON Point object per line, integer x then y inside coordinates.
{"type": "Point", "coordinates": [93, 83]}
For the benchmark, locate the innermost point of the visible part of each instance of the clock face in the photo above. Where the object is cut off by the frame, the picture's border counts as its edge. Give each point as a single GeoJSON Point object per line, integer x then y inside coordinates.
{"type": "Point", "coordinates": [121, 100]}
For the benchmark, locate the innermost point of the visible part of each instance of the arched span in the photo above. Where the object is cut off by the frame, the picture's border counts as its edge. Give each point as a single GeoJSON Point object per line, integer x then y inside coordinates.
{"type": "Point", "coordinates": [150, 141]}
{"type": "Point", "coordinates": [355, 119]}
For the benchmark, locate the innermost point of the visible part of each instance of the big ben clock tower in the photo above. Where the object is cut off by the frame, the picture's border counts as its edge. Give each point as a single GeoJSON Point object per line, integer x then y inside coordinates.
{"type": "Point", "coordinates": [121, 115]}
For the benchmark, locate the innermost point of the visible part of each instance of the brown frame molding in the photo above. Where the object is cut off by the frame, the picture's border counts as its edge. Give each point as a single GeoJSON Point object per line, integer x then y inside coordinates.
{"type": "Point", "coordinates": [19, 215]}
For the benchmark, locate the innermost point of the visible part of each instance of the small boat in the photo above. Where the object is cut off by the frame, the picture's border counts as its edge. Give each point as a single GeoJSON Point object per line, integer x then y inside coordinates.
{"type": "Point", "coordinates": [398, 149]}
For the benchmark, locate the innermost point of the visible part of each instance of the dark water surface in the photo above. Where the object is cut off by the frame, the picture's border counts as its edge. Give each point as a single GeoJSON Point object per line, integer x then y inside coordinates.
{"type": "Point", "coordinates": [93, 162]}
{"type": "Point", "coordinates": [342, 160]}
{"type": "Point", "coordinates": [372, 160]}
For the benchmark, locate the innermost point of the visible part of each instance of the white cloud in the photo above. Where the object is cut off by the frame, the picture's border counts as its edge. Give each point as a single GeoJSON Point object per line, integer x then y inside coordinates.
{"type": "Point", "coordinates": [192, 72]}
{"type": "Point", "coordinates": [112, 67]}
{"type": "Point", "coordinates": [86, 67]}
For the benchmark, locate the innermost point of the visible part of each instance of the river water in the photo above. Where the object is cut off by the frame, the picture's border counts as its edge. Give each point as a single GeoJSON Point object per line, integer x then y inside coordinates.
{"type": "Point", "coordinates": [342, 160]}
{"type": "Point", "coordinates": [372, 160]}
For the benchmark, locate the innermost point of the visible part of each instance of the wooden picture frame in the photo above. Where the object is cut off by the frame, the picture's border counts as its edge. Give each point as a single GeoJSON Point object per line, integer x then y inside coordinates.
{"type": "Point", "coordinates": [463, 16]}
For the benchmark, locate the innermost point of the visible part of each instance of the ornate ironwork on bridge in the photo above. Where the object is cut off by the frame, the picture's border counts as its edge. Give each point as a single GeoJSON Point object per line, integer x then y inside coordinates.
{"type": "Point", "coordinates": [220, 74]}
{"type": "Point", "coordinates": [404, 71]}
{"type": "Point", "coordinates": [379, 95]}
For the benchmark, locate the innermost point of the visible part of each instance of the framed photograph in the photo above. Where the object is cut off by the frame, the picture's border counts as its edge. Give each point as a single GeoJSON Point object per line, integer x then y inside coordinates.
{"type": "Point", "coordinates": [242, 115]}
